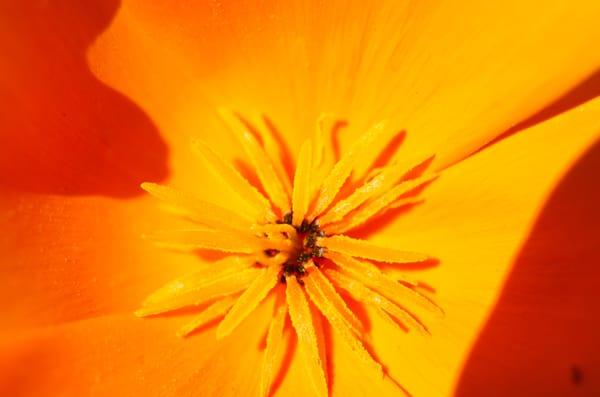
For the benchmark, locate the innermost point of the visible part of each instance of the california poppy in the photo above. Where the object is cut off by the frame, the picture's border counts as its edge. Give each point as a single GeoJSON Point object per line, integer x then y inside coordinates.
{"type": "Point", "coordinates": [101, 97]}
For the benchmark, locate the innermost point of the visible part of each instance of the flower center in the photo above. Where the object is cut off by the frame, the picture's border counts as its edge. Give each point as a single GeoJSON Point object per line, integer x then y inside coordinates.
{"type": "Point", "coordinates": [305, 250]}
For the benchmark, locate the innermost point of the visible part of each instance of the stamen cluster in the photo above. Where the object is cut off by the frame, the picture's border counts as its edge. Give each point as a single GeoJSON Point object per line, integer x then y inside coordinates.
{"type": "Point", "coordinates": [306, 252]}
{"type": "Point", "coordinates": [308, 233]}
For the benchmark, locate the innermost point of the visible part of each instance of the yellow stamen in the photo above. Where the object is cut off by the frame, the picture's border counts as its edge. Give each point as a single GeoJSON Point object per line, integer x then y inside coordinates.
{"type": "Point", "coordinates": [393, 289]}
{"type": "Point", "coordinates": [341, 171]}
{"type": "Point", "coordinates": [196, 289]}
{"type": "Point", "coordinates": [338, 321]}
{"type": "Point", "coordinates": [274, 342]}
{"type": "Point", "coordinates": [365, 249]}
{"type": "Point", "coordinates": [212, 312]}
{"type": "Point", "coordinates": [374, 187]}
{"type": "Point", "coordinates": [198, 210]}
{"type": "Point", "coordinates": [307, 338]}
{"type": "Point", "coordinates": [328, 300]}
{"type": "Point", "coordinates": [365, 295]}
{"type": "Point", "coordinates": [249, 300]}
{"type": "Point", "coordinates": [219, 240]}
{"type": "Point", "coordinates": [301, 195]}
{"type": "Point", "coordinates": [257, 203]}
{"type": "Point", "coordinates": [275, 153]}
{"type": "Point", "coordinates": [259, 158]}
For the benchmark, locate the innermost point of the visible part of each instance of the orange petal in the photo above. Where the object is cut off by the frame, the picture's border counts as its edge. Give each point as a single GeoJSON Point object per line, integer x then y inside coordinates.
{"type": "Point", "coordinates": [274, 345]}
{"type": "Point", "coordinates": [127, 356]}
{"type": "Point", "coordinates": [302, 184]}
{"type": "Point", "coordinates": [261, 161]}
{"type": "Point", "coordinates": [365, 249]}
{"type": "Point", "coordinates": [215, 310]}
{"type": "Point", "coordinates": [248, 193]}
{"type": "Point", "coordinates": [249, 300]}
{"type": "Point", "coordinates": [307, 338]}
{"type": "Point", "coordinates": [420, 65]}
{"type": "Point", "coordinates": [341, 171]}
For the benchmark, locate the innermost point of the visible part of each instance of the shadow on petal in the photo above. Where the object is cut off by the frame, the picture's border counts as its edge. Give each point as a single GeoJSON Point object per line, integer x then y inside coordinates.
{"type": "Point", "coordinates": [62, 130]}
{"type": "Point", "coordinates": [583, 92]}
{"type": "Point", "coordinates": [542, 336]}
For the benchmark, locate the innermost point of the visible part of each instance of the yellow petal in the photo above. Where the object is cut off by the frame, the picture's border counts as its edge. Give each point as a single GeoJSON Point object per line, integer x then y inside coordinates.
{"type": "Point", "coordinates": [324, 295]}
{"type": "Point", "coordinates": [274, 342]}
{"type": "Point", "coordinates": [396, 291]}
{"type": "Point", "coordinates": [259, 205]}
{"type": "Point", "coordinates": [212, 312]}
{"type": "Point", "coordinates": [365, 249]}
{"type": "Point", "coordinates": [226, 241]}
{"type": "Point", "coordinates": [196, 289]}
{"type": "Point", "coordinates": [307, 338]}
{"type": "Point", "coordinates": [496, 221]}
{"type": "Point", "coordinates": [302, 187]}
{"type": "Point", "coordinates": [249, 300]}
{"type": "Point", "coordinates": [368, 296]}
{"type": "Point", "coordinates": [261, 161]}
{"type": "Point", "coordinates": [198, 210]}
{"type": "Point", "coordinates": [337, 320]}
{"type": "Point", "coordinates": [341, 171]}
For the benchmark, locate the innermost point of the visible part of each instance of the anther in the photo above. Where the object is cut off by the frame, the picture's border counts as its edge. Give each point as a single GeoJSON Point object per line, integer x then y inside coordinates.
{"type": "Point", "coordinates": [287, 218]}
{"type": "Point", "coordinates": [318, 252]}
{"type": "Point", "coordinates": [304, 227]}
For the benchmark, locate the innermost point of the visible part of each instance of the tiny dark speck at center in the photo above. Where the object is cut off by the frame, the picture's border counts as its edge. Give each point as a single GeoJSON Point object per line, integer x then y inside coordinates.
{"type": "Point", "coordinates": [576, 375]}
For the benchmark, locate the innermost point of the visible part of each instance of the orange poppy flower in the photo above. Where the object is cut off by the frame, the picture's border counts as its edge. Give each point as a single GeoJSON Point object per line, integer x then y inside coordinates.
{"type": "Point", "coordinates": [304, 230]}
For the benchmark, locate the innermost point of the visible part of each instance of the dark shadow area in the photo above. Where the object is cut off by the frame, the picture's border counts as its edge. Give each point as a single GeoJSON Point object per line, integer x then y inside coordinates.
{"type": "Point", "coordinates": [542, 336]}
{"type": "Point", "coordinates": [62, 131]}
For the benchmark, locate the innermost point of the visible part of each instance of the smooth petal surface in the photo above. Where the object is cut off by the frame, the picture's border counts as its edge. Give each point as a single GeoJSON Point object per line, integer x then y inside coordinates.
{"type": "Point", "coordinates": [126, 356]}
{"type": "Point", "coordinates": [80, 257]}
